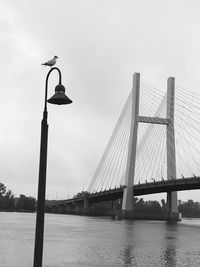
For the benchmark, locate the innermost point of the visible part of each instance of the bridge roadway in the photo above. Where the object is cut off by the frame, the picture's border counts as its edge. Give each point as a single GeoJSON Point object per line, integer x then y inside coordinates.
{"type": "Point", "coordinates": [189, 183]}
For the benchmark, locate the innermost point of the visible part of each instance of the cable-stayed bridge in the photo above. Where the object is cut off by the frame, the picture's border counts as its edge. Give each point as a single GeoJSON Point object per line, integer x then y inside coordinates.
{"type": "Point", "coordinates": [154, 148]}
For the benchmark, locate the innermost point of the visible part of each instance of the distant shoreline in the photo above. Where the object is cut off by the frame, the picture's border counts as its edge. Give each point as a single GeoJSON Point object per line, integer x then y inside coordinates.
{"type": "Point", "coordinates": [29, 211]}
{"type": "Point", "coordinates": [25, 211]}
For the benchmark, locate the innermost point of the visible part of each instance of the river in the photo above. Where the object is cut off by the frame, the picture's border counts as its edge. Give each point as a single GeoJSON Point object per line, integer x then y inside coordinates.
{"type": "Point", "coordinates": [96, 241]}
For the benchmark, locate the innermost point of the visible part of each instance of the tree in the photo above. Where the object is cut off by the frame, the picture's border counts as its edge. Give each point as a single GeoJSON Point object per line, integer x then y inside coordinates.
{"type": "Point", "coordinates": [189, 208]}
{"type": "Point", "coordinates": [6, 198]}
{"type": "Point", "coordinates": [10, 199]}
{"type": "Point", "coordinates": [9, 194]}
{"type": "Point", "coordinates": [25, 203]}
{"type": "Point", "coordinates": [2, 190]}
{"type": "Point", "coordinates": [164, 205]}
{"type": "Point", "coordinates": [154, 206]}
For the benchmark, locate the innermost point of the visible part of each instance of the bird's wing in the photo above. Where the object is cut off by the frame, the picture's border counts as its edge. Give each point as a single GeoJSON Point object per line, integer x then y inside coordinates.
{"type": "Point", "coordinates": [50, 62]}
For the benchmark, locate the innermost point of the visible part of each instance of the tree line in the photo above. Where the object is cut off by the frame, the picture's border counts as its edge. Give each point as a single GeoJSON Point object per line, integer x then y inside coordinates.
{"type": "Point", "coordinates": [189, 208]}
{"type": "Point", "coordinates": [8, 202]}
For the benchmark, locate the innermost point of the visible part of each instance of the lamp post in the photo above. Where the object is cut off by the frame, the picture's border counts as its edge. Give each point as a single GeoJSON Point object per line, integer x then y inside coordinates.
{"type": "Point", "coordinates": [59, 98]}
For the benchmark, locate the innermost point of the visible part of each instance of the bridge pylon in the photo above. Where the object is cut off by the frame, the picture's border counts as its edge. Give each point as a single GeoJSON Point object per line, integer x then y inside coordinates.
{"type": "Point", "coordinates": [127, 203]}
{"type": "Point", "coordinates": [171, 155]}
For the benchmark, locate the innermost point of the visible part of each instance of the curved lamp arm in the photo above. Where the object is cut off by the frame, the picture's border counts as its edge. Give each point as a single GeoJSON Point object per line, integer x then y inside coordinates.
{"type": "Point", "coordinates": [46, 87]}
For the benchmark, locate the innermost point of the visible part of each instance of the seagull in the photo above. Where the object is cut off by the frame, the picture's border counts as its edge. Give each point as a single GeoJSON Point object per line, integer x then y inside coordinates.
{"type": "Point", "coordinates": [51, 62]}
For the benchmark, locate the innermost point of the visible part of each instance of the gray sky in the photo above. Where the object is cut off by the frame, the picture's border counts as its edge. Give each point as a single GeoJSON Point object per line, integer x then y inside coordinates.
{"type": "Point", "coordinates": [100, 45]}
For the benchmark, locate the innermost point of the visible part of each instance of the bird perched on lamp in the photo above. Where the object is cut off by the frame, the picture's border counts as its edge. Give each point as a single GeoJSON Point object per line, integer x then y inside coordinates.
{"type": "Point", "coordinates": [51, 62]}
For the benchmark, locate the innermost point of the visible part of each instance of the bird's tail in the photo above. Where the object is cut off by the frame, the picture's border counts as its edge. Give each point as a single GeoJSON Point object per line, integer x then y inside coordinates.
{"type": "Point", "coordinates": [44, 64]}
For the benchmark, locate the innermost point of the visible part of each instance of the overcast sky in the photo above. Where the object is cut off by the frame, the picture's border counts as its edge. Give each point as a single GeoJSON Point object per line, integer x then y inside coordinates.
{"type": "Point", "coordinates": [100, 44]}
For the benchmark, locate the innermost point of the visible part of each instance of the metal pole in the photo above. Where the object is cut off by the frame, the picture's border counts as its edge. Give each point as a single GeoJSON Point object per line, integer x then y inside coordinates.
{"type": "Point", "coordinates": [39, 233]}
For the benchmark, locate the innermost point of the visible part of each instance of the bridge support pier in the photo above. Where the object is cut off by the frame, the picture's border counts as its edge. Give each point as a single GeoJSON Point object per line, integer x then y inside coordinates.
{"type": "Point", "coordinates": [173, 214]}
{"type": "Point", "coordinates": [86, 202]}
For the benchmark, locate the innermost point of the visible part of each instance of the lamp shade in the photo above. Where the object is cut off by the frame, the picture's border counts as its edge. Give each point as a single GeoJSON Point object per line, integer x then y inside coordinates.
{"type": "Point", "coordinates": [59, 98]}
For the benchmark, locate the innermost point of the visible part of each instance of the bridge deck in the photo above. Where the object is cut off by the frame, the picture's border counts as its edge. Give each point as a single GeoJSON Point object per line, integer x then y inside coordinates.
{"type": "Point", "coordinates": [180, 184]}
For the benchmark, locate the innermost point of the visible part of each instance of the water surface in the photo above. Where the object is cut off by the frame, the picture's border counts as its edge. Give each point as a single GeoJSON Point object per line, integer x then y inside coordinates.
{"type": "Point", "coordinates": [88, 241]}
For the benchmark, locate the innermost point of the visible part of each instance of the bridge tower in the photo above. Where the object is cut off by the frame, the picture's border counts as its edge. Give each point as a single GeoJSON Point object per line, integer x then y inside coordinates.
{"type": "Point", "coordinates": [127, 203]}
{"type": "Point", "coordinates": [171, 155]}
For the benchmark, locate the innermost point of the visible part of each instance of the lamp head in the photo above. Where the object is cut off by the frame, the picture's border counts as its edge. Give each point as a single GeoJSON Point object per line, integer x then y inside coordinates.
{"type": "Point", "coordinates": [59, 98]}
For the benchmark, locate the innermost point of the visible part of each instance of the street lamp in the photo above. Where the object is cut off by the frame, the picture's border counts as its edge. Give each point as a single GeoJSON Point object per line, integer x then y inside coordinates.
{"type": "Point", "coordinates": [59, 98]}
